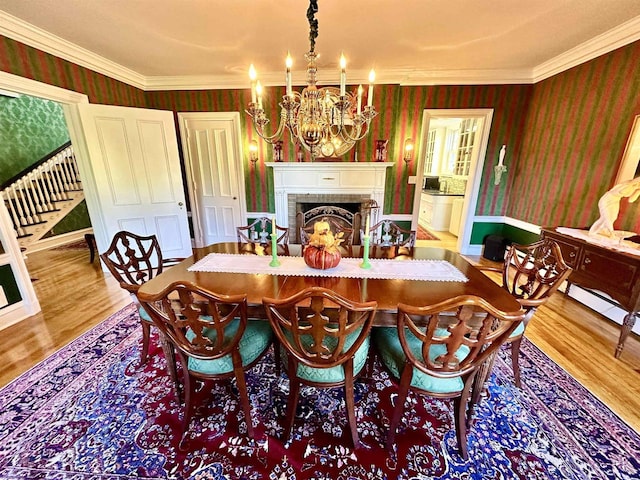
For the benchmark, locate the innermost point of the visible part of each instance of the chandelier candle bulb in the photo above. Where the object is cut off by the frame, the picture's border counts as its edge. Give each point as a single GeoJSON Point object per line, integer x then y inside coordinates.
{"type": "Point", "coordinates": [372, 78]}
{"type": "Point", "coordinates": [366, 228]}
{"type": "Point", "coordinates": [343, 76]}
{"type": "Point", "coordinates": [259, 94]}
{"type": "Point", "coordinates": [252, 77]}
{"type": "Point", "coordinates": [359, 99]}
{"type": "Point", "coordinates": [289, 63]}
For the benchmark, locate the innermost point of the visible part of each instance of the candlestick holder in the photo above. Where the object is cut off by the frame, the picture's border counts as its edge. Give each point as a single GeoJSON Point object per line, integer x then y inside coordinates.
{"type": "Point", "coordinates": [274, 251]}
{"type": "Point", "coordinates": [365, 254]}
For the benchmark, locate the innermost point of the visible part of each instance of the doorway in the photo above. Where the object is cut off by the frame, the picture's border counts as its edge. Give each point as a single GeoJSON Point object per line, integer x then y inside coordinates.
{"type": "Point", "coordinates": [450, 161]}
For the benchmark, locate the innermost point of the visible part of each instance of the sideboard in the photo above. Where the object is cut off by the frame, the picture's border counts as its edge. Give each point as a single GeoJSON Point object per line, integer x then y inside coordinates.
{"type": "Point", "coordinates": [600, 268]}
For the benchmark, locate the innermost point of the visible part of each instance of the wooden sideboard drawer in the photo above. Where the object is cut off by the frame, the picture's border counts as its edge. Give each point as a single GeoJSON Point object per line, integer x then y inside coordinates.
{"type": "Point", "coordinates": [570, 252]}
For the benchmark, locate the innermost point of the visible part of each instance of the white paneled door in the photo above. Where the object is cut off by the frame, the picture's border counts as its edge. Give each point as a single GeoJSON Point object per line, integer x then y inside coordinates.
{"type": "Point", "coordinates": [211, 146]}
{"type": "Point", "coordinates": [132, 175]}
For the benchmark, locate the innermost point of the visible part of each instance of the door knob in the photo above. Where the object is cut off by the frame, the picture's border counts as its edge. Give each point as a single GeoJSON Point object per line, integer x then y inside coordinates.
{"type": "Point", "coordinates": [180, 204]}
{"type": "Point", "coordinates": [235, 198]}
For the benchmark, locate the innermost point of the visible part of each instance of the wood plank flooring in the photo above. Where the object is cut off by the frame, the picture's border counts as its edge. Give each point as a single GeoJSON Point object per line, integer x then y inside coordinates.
{"type": "Point", "coordinates": [75, 296]}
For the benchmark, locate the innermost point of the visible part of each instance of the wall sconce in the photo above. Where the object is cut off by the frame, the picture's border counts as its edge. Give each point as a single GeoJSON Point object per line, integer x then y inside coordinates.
{"type": "Point", "coordinates": [253, 152]}
{"type": "Point", "coordinates": [500, 168]}
{"type": "Point", "coordinates": [408, 150]}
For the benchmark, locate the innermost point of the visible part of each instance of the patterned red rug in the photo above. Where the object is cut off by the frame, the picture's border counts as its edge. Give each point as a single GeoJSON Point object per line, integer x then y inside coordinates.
{"type": "Point", "coordinates": [91, 412]}
{"type": "Point", "coordinates": [424, 234]}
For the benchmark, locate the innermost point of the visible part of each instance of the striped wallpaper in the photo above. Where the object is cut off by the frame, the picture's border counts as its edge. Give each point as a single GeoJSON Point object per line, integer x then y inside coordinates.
{"type": "Point", "coordinates": [573, 141]}
{"type": "Point", "coordinates": [20, 59]}
{"type": "Point", "coordinates": [565, 135]}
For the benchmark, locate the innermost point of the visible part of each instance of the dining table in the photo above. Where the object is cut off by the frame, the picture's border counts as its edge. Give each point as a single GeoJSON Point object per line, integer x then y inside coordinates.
{"type": "Point", "coordinates": [257, 279]}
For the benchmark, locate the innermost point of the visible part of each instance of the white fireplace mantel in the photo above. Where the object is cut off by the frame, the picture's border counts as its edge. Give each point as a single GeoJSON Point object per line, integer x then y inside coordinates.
{"type": "Point", "coordinates": [340, 178]}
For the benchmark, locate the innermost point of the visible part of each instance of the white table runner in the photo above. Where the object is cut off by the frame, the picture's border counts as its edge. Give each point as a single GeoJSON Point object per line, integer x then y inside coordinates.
{"type": "Point", "coordinates": [428, 270]}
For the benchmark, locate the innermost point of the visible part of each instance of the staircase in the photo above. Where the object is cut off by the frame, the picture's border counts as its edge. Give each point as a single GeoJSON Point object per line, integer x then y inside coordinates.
{"type": "Point", "coordinates": [43, 195]}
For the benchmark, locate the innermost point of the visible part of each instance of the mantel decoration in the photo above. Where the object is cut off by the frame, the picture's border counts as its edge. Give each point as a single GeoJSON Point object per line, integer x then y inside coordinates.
{"type": "Point", "coordinates": [326, 121]}
{"type": "Point", "coordinates": [322, 251]}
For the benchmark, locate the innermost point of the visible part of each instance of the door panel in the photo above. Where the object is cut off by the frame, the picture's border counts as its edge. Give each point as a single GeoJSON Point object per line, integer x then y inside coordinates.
{"type": "Point", "coordinates": [133, 156]}
{"type": "Point", "coordinates": [212, 148]}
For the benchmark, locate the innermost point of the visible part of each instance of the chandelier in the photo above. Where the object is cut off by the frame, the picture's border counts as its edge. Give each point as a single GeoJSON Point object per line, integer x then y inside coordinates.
{"type": "Point", "coordinates": [326, 121]}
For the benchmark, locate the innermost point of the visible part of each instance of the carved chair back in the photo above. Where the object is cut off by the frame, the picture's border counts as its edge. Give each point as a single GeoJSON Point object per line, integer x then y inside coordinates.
{"type": "Point", "coordinates": [532, 273]}
{"type": "Point", "coordinates": [317, 326]}
{"type": "Point", "coordinates": [465, 330]}
{"type": "Point", "coordinates": [259, 231]}
{"type": "Point", "coordinates": [195, 320]}
{"type": "Point", "coordinates": [133, 259]}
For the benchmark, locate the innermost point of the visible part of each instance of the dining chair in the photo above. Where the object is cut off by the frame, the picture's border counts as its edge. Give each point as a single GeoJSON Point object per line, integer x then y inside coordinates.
{"type": "Point", "coordinates": [325, 338]}
{"type": "Point", "coordinates": [346, 247]}
{"type": "Point", "coordinates": [133, 260]}
{"type": "Point", "coordinates": [212, 337]}
{"type": "Point", "coordinates": [388, 235]}
{"type": "Point", "coordinates": [259, 231]}
{"type": "Point", "coordinates": [531, 273]}
{"type": "Point", "coordinates": [436, 350]}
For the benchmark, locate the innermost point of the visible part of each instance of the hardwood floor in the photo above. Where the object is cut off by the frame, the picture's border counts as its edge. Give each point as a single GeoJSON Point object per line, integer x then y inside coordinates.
{"type": "Point", "coordinates": [75, 296]}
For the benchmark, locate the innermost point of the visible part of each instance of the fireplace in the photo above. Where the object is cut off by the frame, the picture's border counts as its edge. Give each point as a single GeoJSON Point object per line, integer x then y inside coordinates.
{"type": "Point", "coordinates": [347, 210]}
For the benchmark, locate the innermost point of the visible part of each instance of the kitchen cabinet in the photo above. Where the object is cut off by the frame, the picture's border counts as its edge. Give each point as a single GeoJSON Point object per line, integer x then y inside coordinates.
{"type": "Point", "coordinates": [435, 210]}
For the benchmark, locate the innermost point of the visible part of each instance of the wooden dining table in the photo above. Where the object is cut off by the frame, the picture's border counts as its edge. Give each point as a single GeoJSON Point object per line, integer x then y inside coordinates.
{"type": "Point", "coordinates": [387, 292]}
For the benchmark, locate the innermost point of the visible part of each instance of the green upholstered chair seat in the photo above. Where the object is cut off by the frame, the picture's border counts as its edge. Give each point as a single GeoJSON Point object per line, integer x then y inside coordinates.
{"type": "Point", "coordinates": [518, 331]}
{"type": "Point", "coordinates": [255, 340]}
{"type": "Point", "coordinates": [388, 345]}
{"type": "Point", "coordinates": [333, 374]}
{"type": "Point", "coordinates": [144, 315]}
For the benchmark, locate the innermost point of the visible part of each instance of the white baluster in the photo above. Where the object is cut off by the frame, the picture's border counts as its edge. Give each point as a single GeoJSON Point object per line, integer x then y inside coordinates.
{"type": "Point", "coordinates": [45, 191]}
{"type": "Point", "coordinates": [67, 170]}
{"type": "Point", "coordinates": [35, 191]}
{"type": "Point", "coordinates": [24, 202]}
{"type": "Point", "coordinates": [51, 184]}
{"type": "Point", "coordinates": [62, 193]}
{"type": "Point", "coordinates": [28, 193]}
{"type": "Point", "coordinates": [23, 220]}
{"type": "Point", "coordinates": [63, 174]}
{"type": "Point", "coordinates": [6, 195]}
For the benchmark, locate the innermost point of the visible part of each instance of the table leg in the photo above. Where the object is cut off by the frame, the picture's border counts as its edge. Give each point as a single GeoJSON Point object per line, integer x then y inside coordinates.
{"type": "Point", "coordinates": [627, 326]}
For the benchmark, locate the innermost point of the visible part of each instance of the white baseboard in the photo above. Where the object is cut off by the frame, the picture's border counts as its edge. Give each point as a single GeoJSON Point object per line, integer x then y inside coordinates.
{"type": "Point", "coordinates": [58, 240]}
{"type": "Point", "coordinates": [603, 307]}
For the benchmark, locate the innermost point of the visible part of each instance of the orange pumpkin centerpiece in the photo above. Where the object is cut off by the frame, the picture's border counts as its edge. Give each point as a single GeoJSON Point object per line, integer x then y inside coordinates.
{"type": "Point", "coordinates": [322, 251]}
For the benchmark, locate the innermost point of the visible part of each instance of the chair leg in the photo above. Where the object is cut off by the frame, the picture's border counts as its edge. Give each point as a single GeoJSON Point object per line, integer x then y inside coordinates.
{"type": "Point", "coordinates": [244, 394]}
{"type": "Point", "coordinates": [403, 389]}
{"type": "Point", "coordinates": [292, 402]}
{"type": "Point", "coordinates": [459, 407]}
{"type": "Point", "coordinates": [170, 359]}
{"type": "Point", "coordinates": [515, 354]}
{"type": "Point", "coordinates": [350, 403]}
{"type": "Point", "coordinates": [146, 335]}
{"type": "Point", "coordinates": [189, 387]}
{"type": "Point", "coordinates": [479, 386]}
{"type": "Point", "coordinates": [277, 358]}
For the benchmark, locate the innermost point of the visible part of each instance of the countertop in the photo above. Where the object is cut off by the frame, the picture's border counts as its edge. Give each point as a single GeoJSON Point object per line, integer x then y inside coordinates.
{"type": "Point", "coordinates": [442, 194]}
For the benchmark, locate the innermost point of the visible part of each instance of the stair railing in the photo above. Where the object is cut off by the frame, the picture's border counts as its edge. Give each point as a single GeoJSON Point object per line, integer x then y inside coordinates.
{"type": "Point", "coordinates": [36, 192]}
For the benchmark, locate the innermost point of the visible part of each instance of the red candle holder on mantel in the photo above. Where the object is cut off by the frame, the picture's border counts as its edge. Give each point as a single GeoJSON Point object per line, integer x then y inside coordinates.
{"type": "Point", "coordinates": [381, 150]}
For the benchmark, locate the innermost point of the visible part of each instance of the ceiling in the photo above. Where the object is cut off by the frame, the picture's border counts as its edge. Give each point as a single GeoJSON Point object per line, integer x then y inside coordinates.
{"type": "Point", "coordinates": [157, 44]}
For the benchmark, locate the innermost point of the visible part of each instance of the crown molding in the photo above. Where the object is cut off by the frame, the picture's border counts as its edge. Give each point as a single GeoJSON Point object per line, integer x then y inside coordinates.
{"type": "Point", "coordinates": [617, 37]}
{"type": "Point", "coordinates": [33, 36]}
{"type": "Point", "coordinates": [28, 34]}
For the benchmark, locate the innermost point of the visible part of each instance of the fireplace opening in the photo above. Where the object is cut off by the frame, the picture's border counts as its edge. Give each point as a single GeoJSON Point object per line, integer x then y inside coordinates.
{"type": "Point", "coordinates": [344, 209]}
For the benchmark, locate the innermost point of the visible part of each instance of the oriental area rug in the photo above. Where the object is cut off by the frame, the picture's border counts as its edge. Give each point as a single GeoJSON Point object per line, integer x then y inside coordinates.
{"type": "Point", "coordinates": [90, 411]}
{"type": "Point", "coordinates": [424, 234]}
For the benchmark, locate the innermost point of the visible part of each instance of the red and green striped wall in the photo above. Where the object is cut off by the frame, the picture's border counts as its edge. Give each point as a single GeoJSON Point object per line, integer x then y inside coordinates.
{"type": "Point", "coordinates": [565, 135]}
